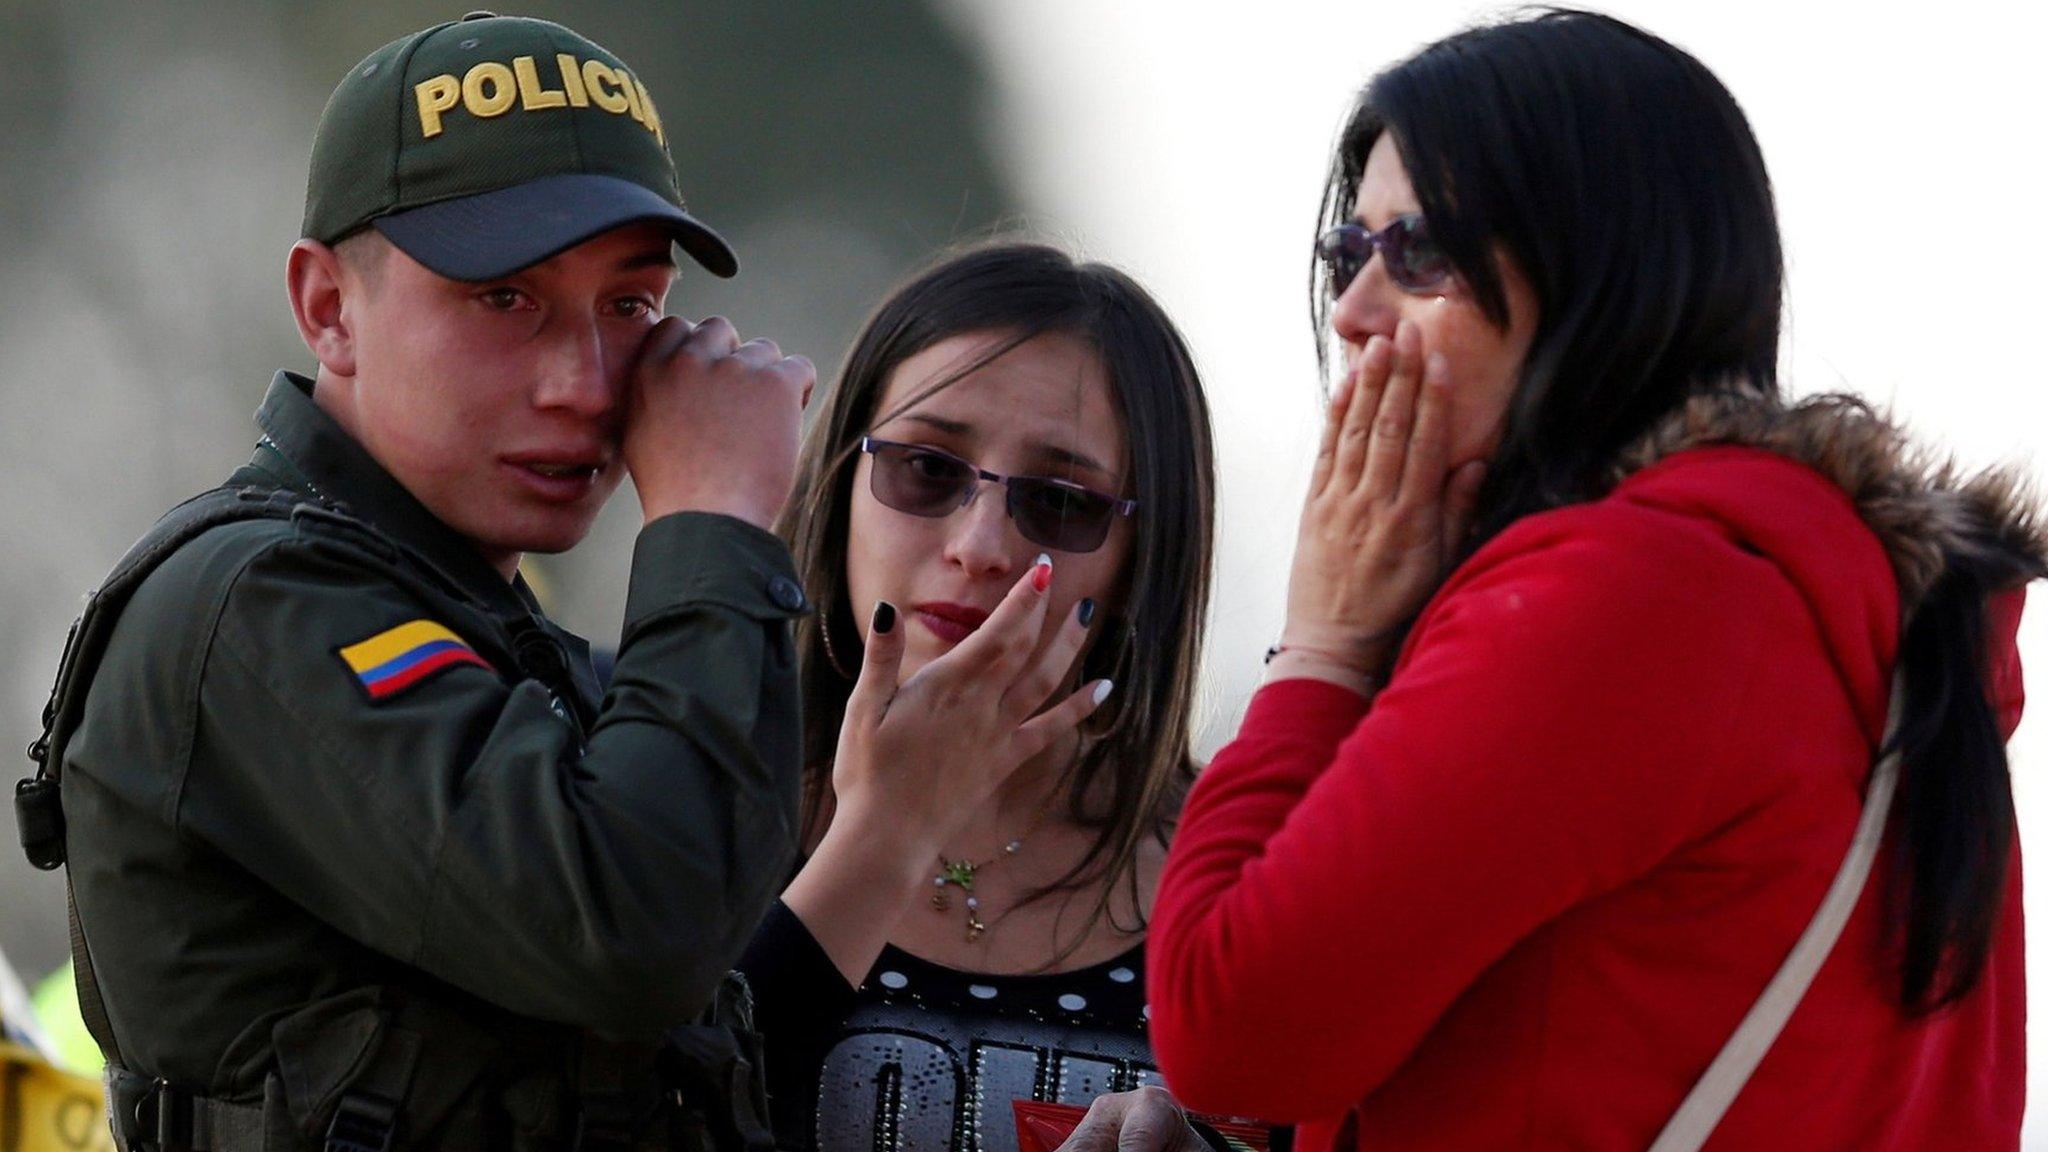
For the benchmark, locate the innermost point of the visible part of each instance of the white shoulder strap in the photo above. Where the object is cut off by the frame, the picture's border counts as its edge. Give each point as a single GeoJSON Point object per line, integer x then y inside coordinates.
{"type": "Point", "coordinates": [1717, 1088]}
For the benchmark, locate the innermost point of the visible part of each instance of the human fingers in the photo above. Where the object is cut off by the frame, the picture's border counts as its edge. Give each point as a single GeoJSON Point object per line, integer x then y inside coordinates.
{"type": "Point", "coordinates": [651, 380]}
{"type": "Point", "coordinates": [1052, 662]}
{"type": "Point", "coordinates": [714, 337]}
{"type": "Point", "coordinates": [1388, 445]}
{"type": "Point", "coordinates": [1099, 1130]}
{"type": "Point", "coordinates": [758, 353]}
{"type": "Point", "coordinates": [1354, 436]}
{"type": "Point", "coordinates": [1010, 634]}
{"type": "Point", "coordinates": [797, 373]}
{"type": "Point", "coordinates": [1038, 733]}
{"type": "Point", "coordinates": [1154, 1122]}
{"type": "Point", "coordinates": [1429, 444]}
{"type": "Point", "coordinates": [880, 666]}
{"type": "Point", "coordinates": [1333, 419]}
{"type": "Point", "coordinates": [663, 339]}
{"type": "Point", "coordinates": [805, 371]}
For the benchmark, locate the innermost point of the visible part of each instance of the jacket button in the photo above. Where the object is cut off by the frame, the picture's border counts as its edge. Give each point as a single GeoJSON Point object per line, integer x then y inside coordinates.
{"type": "Point", "coordinates": [786, 594]}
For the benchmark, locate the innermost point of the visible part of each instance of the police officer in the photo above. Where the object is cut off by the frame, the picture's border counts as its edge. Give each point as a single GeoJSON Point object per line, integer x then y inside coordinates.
{"type": "Point", "coordinates": [359, 859]}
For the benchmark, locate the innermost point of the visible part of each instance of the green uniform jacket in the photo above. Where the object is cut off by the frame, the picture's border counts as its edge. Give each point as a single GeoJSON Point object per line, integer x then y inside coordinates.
{"type": "Point", "coordinates": [256, 823]}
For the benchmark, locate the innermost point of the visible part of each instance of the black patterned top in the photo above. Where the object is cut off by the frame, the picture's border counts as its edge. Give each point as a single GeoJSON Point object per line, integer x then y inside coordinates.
{"type": "Point", "coordinates": [925, 1058]}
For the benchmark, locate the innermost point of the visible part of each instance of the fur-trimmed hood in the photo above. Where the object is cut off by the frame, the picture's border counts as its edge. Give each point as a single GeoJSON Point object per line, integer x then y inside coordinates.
{"type": "Point", "coordinates": [1928, 516]}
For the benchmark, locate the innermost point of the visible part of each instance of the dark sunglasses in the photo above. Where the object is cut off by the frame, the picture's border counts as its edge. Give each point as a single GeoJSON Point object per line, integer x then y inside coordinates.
{"type": "Point", "coordinates": [1415, 263]}
{"type": "Point", "coordinates": [1052, 513]}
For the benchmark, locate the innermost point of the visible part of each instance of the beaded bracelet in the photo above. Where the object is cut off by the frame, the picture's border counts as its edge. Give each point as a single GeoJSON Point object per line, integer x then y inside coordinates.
{"type": "Point", "coordinates": [1369, 683]}
{"type": "Point", "coordinates": [1325, 653]}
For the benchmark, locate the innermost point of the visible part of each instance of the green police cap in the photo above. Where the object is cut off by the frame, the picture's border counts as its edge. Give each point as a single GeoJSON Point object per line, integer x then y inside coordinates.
{"type": "Point", "coordinates": [489, 144]}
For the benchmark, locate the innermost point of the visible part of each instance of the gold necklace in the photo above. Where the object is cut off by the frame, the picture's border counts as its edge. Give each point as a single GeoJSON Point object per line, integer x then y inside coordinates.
{"type": "Point", "coordinates": [961, 873]}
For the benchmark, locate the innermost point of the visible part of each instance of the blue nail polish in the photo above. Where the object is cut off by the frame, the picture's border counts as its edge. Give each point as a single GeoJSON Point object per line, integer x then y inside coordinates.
{"type": "Point", "coordinates": [885, 618]}
{"type": "Point", "coordinates": [1087, 612]}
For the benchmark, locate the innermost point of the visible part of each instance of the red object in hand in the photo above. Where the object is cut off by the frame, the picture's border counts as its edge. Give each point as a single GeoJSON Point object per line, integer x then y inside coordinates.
{"type": "Point", "coordinates": [1044, 1127]}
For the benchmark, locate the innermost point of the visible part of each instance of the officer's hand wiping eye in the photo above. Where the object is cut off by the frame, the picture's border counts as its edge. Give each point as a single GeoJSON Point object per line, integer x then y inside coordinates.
{"type": "Point", "coordinates": [712, 423]}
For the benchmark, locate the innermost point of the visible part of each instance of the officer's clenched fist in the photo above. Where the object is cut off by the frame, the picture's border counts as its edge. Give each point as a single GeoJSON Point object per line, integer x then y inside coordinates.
{"type": "Point", "coordinates": [712, 423]}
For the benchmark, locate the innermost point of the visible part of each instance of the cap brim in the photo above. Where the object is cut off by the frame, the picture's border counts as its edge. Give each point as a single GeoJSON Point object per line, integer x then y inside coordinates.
{"type": "Point", "coordinates": [494, 234]}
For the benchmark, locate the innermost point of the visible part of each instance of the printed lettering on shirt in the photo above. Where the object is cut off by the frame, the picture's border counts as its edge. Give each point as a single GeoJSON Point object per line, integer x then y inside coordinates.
{"type": "Point", "coordinates": [922, 1087]}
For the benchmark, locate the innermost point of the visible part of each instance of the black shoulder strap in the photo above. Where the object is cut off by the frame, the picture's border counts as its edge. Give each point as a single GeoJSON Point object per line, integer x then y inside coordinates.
{"type": "Point", "coordinates": [39, 812]}
{"type": "Point", "coordinates": [87, 642]}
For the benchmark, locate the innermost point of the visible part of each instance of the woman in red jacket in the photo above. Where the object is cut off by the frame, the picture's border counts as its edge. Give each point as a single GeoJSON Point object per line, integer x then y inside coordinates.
{"type": "Point", "coordinates": [1589, 642]}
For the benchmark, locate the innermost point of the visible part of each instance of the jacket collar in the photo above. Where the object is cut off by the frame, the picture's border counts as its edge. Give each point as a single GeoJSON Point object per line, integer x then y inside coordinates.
{"type": "Point", "coordinates": [1927, 514]}
{"type": "Point", "coordinates": [304, 449]}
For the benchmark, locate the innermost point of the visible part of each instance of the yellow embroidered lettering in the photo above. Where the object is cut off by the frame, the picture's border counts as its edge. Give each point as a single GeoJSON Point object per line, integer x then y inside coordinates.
{"type": "Point", "coordinates": [502, 92]}
{"type": "Point", "coordinates": [572, 80]}
{"type": "Point", "coordinates": [631, 88]}
{"type": "Point", "coordinates": [531, 95]}
{"type": "Point", "coordinates": [435, 96]}
{"type": "Point", "coordinates": [596, 75]}
{"type": "Point", "coordinates": [653, 119]}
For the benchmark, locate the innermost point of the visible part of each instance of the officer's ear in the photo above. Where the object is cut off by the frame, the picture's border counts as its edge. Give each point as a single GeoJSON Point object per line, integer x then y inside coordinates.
{"type": "Point", "coordinates": [320, 283]}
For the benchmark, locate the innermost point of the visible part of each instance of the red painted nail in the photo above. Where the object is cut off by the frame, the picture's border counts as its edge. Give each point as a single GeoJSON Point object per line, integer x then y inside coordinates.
{"type": "Point", "coordinates": [1041, 573]}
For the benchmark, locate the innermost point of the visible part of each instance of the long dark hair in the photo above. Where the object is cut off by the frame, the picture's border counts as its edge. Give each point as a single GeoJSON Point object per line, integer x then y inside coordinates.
{"type": "Point", "coordinates": [1136, 764]}
{"type": "Point", "coordinates": [1624, 182]}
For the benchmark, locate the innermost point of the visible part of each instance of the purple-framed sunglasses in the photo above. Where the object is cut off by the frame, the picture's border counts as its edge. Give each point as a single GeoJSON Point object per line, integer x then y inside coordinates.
{"type": "Point", "coordinates": [1047, 511]}
{"type": "Point", "coordinates": [1415, 263]}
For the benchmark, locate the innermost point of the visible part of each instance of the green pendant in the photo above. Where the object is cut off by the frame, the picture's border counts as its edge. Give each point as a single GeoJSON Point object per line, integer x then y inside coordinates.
{"type": "Point", "coordinates": [960, 872]}
{"type": "Point", "coordinates": [956, 872]}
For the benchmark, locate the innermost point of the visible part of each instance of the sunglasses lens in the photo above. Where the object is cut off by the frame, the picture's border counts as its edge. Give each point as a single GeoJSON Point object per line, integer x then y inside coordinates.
{"type": "Point", "coordinates": [920, 482]}
{"type": "Point", "coordinates": [1414, 259]}
{"type": "Point", "coordinates": [1344, 251]}
{"type": "Point", "coordinates": [1059, 516]}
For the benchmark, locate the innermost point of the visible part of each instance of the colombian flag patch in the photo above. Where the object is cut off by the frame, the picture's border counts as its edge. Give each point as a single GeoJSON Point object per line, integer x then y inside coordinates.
{"type": "Point", "coordinates": [398, 658]}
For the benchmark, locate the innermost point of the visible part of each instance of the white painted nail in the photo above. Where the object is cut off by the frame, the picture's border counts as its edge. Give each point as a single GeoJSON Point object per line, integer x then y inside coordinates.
{"type": "Point", "coordinates": [1103, 690]}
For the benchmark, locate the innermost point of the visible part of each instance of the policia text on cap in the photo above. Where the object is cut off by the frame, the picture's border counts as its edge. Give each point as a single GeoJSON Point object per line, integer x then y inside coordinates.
{"type": "Point", "coordinates": [493, 89]}
{"type": "Point", "coordinates": [360, 856]}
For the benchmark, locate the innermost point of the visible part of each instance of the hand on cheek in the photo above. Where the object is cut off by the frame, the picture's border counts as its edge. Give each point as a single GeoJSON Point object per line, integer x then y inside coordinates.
{"type": "Point", "coordinates": [1385, 512]}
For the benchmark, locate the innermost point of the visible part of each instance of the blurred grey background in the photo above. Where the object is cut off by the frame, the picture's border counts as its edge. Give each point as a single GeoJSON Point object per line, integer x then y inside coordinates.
{"type": "Point", "coordinates": [152, 175]}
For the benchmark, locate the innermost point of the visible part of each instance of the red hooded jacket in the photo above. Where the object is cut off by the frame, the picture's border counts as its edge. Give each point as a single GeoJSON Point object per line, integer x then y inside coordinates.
{"type": "Point", "coordinates": [1523, 897]}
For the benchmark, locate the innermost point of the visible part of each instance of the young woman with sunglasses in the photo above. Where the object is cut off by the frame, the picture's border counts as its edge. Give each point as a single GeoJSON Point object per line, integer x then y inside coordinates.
{"type": "Point", "coordinates": [1004, 516]}
{"type": "Point", "coordinates": [1590, 639]}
